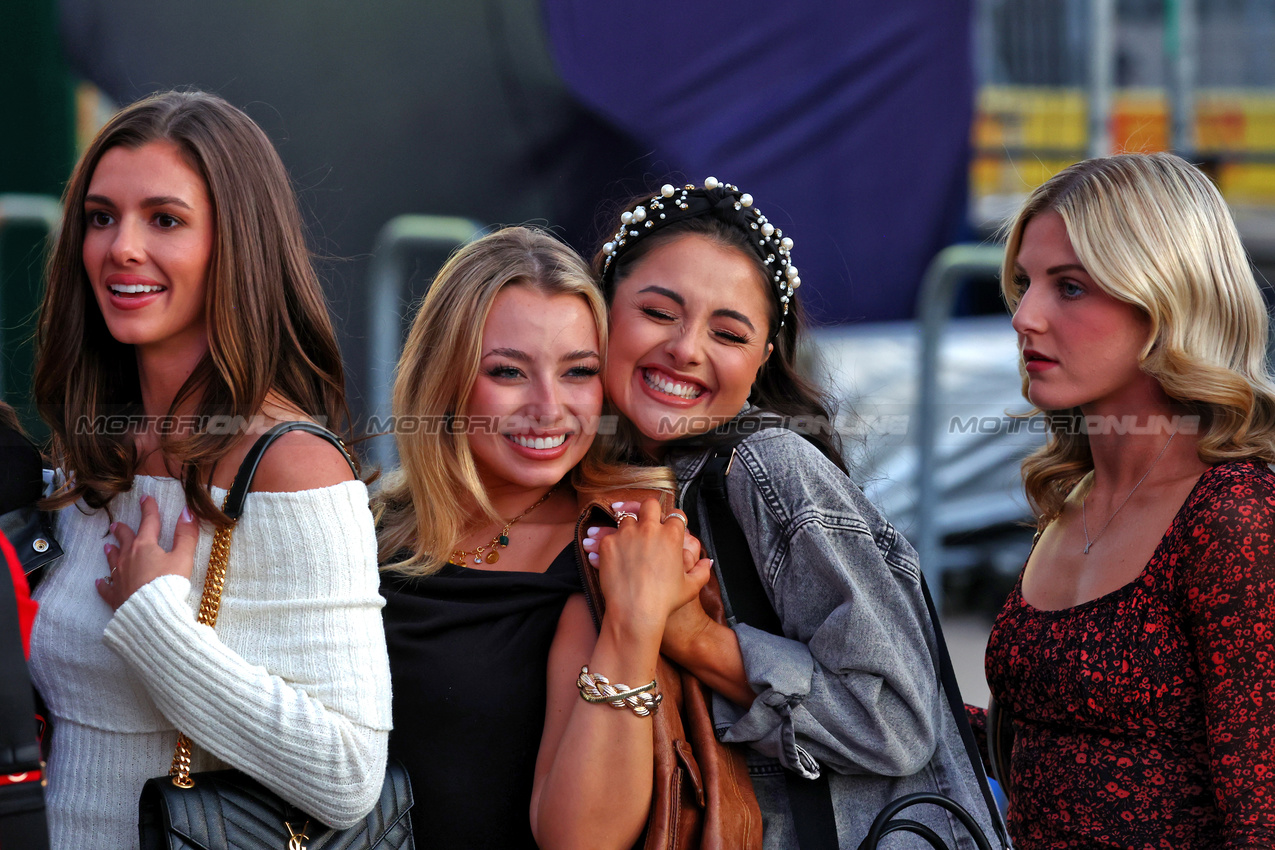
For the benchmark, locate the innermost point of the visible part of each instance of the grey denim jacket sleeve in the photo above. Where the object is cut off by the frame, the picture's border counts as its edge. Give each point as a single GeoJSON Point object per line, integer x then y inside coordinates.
{"type": "Point", "coordinates": [851, 684]}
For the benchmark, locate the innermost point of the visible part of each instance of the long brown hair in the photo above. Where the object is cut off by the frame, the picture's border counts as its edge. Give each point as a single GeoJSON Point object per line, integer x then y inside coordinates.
{"type": "Point", "coordinates": [1154, 232]}
{"type": "Point", "coordinates": [268, 326]}
{"type": "Point", "coordinates": [436, 497]}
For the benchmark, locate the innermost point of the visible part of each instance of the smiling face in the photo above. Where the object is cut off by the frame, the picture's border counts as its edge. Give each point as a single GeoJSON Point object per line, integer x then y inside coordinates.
{"type": "Point", "coordinates": [538, 383]}
{"type": "Point", "coordinates": [1080, 346]}
{"type": "Point", "coordinates": [689, 330]}
{"type": "Point", "coordinates": [148, 239]}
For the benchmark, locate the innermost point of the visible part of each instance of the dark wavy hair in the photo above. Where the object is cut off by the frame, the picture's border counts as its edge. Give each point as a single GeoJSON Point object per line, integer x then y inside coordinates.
{"type": "Point", "coordinates": [268, 326]}
{"type": "Point", "coordinates": [780, 389]}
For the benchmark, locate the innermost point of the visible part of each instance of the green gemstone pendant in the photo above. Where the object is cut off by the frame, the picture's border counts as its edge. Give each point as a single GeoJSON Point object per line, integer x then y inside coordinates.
{"type": "Point", "coordinates": [504, 541]}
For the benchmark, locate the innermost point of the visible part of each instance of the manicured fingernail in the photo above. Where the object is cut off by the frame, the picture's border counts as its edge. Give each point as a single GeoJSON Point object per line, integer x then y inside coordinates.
{"type": "Point", "coordinates": [593, 557]}
{"type": "Point", "coordinates": [187, 516]}
{"type": "Point", "coordinates": [617, 505]}
{"type": "Point", "coordinates": [107, 548]}
{"type": "Point", "coordinates": [592, 532]}
{"type": "Point", "coordinates": [589, 541]}
{"type": "Point", "coordinates": [710, 562]}
{"type": "Point", "coordinates": [146, 499]}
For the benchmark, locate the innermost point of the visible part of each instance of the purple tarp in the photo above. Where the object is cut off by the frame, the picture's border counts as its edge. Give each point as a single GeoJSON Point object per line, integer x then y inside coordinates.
{"type": "Point", "coordinates": [850, 120]}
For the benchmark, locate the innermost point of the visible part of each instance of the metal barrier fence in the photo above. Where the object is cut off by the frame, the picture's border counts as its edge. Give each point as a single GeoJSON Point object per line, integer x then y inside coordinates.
{"type": "Point", "coordinates": [947, 274]}
{"type": "Point", "coordinates": [430, 239]}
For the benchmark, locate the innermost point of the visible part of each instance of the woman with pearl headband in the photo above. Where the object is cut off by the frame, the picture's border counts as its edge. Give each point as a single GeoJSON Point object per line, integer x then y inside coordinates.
{"type": "Point", "coordinates": [831, 679]}
{"type": "Point", "coordinates": [477, 533]}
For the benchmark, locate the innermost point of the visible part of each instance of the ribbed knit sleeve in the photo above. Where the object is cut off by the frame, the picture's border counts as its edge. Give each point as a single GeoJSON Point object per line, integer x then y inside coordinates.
{"type": "Point", "coordinates": [292, 686]}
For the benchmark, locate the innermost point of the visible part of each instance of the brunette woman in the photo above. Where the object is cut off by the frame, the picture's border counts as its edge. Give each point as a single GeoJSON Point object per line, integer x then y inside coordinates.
{"type": "Point", "coordinates": [705, 329]}
{"type": "Point", "coordinates": [181, 318]}
{"type": "Point", "coordinates": [497, 402]}
{"type": "Point", "coordinates": [1135, 655]}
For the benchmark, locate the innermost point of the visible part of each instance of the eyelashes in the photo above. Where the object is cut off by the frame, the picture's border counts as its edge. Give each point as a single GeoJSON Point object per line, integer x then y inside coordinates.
{"type": "Point", "coordinates": [727, 336]}
{"type": "Point", "coordinates": [508, 372]}
{"type": "Point", "coordinates": [102, 218]}
{"type": "Point", "coordinates": [733, 337]}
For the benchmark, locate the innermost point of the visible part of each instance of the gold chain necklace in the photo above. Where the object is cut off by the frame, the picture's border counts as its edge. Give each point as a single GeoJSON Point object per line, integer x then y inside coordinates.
{"type": "Point", "coordinates": [1084, 518]}
{"type": "Point", "coordinates": [500, 541]}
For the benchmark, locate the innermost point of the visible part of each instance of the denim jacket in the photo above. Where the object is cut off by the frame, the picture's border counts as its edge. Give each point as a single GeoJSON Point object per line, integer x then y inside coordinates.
{"type": "Point", "coordinates": [852, 685]}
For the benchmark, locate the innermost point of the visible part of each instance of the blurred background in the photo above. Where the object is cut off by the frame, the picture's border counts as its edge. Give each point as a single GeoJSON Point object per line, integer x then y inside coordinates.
{"type": "Point", "coordinates": [890, 140]}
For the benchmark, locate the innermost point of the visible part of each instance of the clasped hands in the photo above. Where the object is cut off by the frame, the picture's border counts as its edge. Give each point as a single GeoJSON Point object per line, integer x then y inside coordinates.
{"type": "Point", "coordinates": [651, 571]}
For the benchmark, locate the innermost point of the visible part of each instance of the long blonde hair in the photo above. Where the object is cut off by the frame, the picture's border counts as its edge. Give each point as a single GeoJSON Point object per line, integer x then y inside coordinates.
{"type": "Point", "coordinates": [1154, 232]}
{"type": "Point", "coordinates": [428, 505]}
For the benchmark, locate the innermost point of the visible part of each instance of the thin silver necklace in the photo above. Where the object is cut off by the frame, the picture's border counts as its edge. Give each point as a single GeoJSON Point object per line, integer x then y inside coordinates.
{"type": "Point", "coordinates": [1084, 519]}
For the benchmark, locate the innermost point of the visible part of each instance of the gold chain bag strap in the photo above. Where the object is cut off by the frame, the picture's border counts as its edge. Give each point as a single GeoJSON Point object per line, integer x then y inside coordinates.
{"type": "Point", "coordinates": [224, 809]}
{"type": "Point", "coordinates": [209, 606]}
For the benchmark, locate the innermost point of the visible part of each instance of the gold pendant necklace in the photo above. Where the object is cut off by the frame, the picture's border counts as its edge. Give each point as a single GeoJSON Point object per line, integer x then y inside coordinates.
{"type": "Point", "coordinates": [500, 541]}
{"type": "Point", "coordinates": [1084, 518]}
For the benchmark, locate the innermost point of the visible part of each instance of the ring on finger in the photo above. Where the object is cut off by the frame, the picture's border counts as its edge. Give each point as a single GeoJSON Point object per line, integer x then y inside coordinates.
{"type": "Point", "coordinates": [676, 514]}
{"type": "Point", "coordinates": [623, 515]}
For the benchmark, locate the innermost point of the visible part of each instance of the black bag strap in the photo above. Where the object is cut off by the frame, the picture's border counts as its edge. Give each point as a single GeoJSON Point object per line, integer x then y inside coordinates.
{"type": "Point", "coordinates": [947, 676]}
{"type": "Point", "coordinates": [233, 506]}
{"type": "Point", "coordinates": [19, 748]}
{"type": "Point", "coordinates": [746, 601]}
{"type": "Point", "coordinates": [218, 562]}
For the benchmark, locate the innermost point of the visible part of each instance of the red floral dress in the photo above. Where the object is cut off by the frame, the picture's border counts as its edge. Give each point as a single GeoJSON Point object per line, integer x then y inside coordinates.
{"type": "Point", "coordinates": [1146, 717]}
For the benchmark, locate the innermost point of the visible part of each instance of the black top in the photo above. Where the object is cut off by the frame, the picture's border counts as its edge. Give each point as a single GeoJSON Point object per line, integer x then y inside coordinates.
{"type": "Point", "coordinates": [468, 653]}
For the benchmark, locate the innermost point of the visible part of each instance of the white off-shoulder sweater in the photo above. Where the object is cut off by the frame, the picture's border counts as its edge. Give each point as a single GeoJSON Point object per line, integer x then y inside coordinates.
{"type": "Point", "coordinates": [293, 686]}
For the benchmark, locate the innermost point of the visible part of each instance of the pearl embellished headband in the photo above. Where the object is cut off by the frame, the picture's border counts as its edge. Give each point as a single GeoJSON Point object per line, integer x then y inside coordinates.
{"type": "Point", "coordinates": [723, 201]}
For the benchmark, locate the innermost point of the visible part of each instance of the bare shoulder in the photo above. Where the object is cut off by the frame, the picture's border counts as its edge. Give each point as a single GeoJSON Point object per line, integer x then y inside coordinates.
{"type": "Point", "coordinates": [300, 461]}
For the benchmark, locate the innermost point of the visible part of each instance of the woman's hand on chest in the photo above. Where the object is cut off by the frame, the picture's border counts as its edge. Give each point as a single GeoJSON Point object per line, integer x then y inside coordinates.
{"type": "Point", "coordinates": [139, 558]}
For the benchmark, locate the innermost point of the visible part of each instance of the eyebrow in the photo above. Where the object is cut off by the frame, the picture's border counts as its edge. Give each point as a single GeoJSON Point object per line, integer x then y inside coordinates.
{"type": "Point", "coordinates": [1052, 270]}
{"type": "Point", "coordinates": [676, 297]}
{"type": "Point", "coordinates": [154, 201]}
{"type": "Point", "coordinates": [524, 357]}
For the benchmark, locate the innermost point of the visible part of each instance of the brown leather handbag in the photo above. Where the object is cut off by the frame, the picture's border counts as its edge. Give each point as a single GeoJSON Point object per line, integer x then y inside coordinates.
{"type": "Point", "coordinates": [701, 796]}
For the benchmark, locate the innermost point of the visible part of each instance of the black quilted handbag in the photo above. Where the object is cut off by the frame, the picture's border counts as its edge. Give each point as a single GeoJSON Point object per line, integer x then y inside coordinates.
{"type": "Point", "coordinates": [227, 809]}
